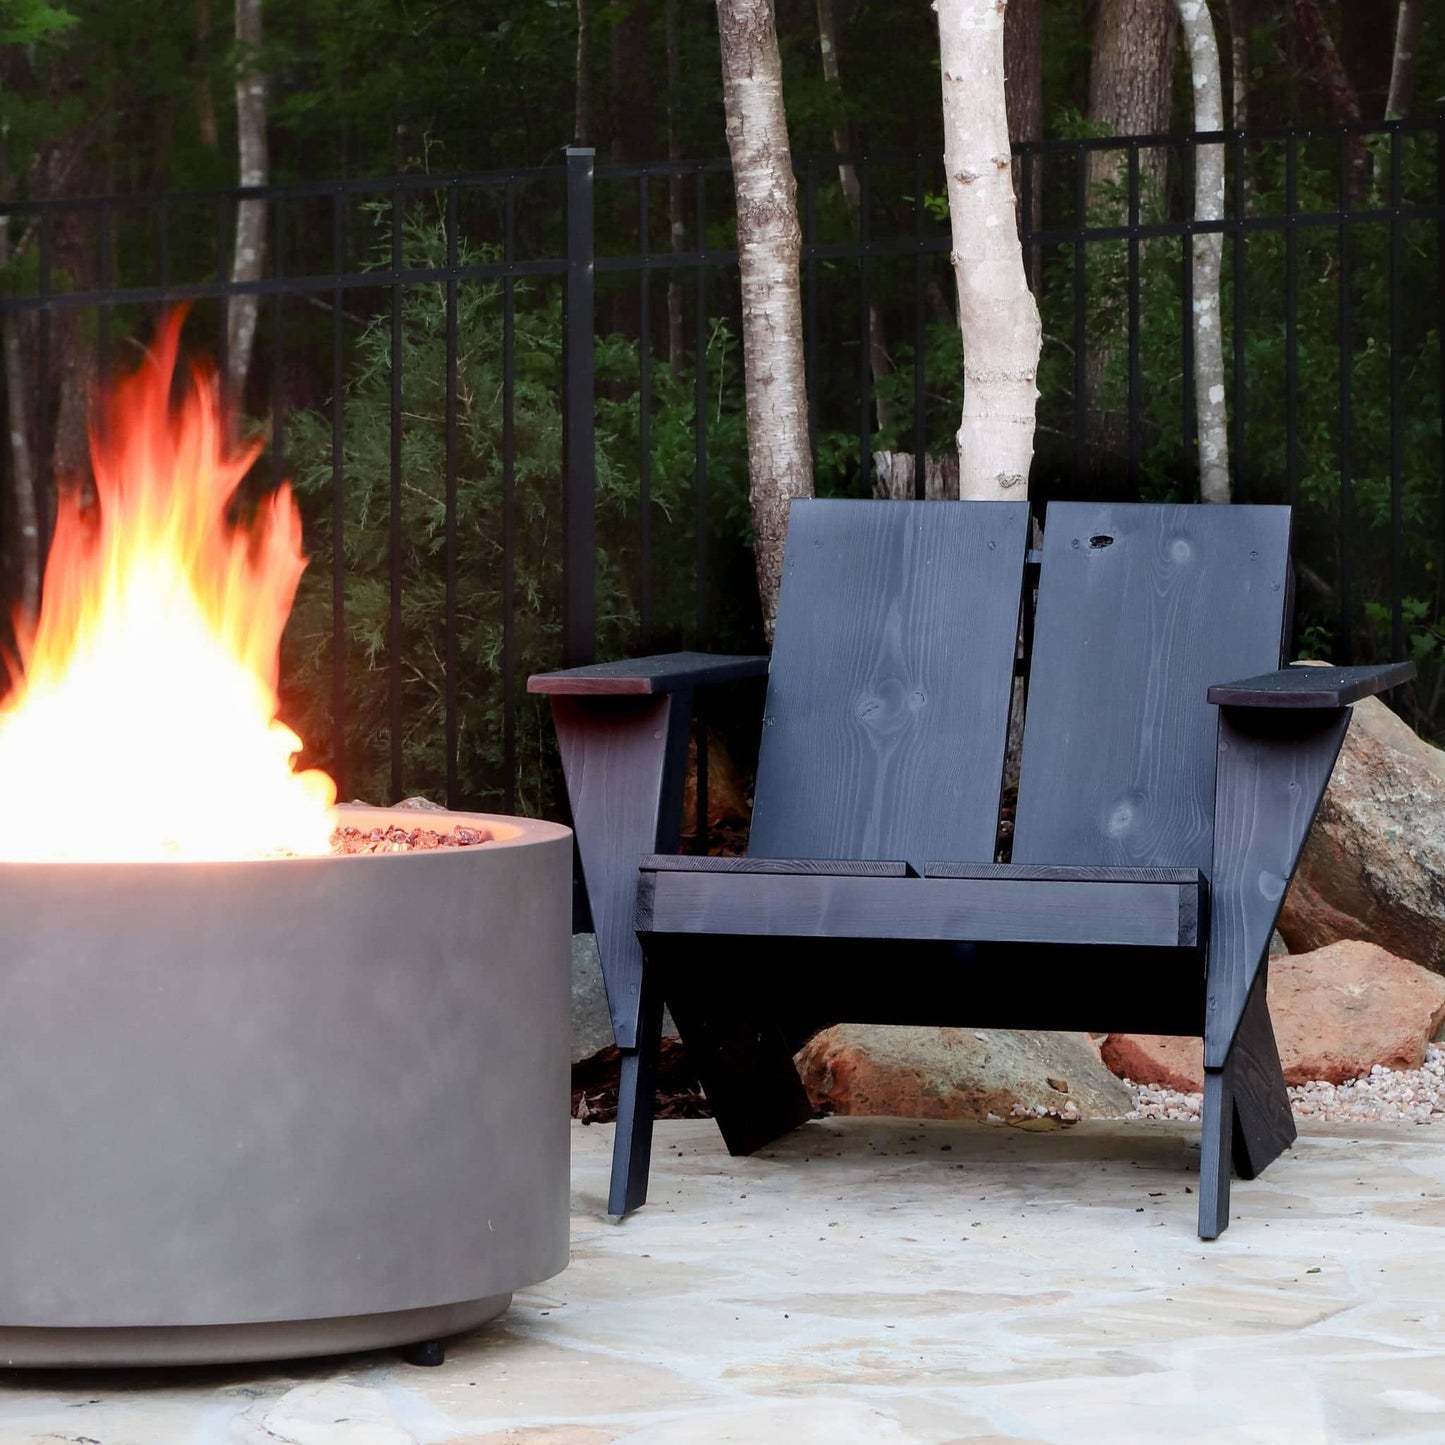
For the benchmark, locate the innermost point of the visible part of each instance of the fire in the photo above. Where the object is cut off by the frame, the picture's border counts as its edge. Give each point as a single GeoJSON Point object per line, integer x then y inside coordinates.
{"type": "Point", "coordinates": [144, 724]}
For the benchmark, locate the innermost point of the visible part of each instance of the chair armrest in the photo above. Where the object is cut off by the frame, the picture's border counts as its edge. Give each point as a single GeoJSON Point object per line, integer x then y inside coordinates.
{"type": "Point", "coordinates": [633, 676]}
{"type": "Point", "coordinates": [1311, 687]}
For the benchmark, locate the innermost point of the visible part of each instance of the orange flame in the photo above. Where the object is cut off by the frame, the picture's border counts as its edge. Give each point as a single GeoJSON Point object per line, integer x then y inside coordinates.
{"type": "Point", "coordinates": [144, 726]}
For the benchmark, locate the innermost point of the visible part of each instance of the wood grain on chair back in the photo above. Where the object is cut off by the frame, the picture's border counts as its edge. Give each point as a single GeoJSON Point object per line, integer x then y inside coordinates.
{"type": "Point", "coordinates": [1140, 609]}
{"type": "Point", "coordinates": [888, 694]}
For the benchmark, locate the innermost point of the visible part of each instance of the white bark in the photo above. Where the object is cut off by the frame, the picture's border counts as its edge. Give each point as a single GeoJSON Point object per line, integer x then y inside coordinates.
{"type": "Point", "coordinates": [1209, 408]}
{"type": "Point", "coordinates": [780, 465]}
{"type": "Point", "coordinates": [996, 311]}
{"type": "Point", "coordinates": [250, 215]}
{"type": "Point", "coordinates": [1403, 65]}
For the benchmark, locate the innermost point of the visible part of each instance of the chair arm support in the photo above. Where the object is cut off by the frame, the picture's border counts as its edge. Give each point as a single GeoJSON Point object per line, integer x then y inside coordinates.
{"type": "Point", "coordinates": [647, 676]}
{"type": "Point", "coordinates": [1310, 686]}
{"type": "Point", "coordinates": [1270, 776]}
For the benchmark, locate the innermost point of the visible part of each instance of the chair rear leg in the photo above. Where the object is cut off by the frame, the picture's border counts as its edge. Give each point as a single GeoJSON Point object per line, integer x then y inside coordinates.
{"type": "Point", "coordinates": [1264, 1124]}
{"type": "Point", "coordinates": [740, 1053]}
{"type": "Point", "coordinates": [636, 1106]}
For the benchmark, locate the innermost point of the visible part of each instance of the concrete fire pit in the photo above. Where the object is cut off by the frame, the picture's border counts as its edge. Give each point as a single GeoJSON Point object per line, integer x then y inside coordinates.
{"type": "Point", "coordinates": [283, 1107]}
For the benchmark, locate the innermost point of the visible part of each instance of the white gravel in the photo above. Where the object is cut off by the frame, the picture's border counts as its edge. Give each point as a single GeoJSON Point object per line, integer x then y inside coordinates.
{"type": "Point", "coordinates": [1385, 1096]}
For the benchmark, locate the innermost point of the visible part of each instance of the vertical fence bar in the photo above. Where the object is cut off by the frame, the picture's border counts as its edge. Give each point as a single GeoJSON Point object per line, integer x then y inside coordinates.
{"type": "Point", "coordinates": [394, 634]}
{"type": "Point", "coordinates": [810, 333]}
{"type": "Point", "coordinates": [278, 326]}
{"type": "Point", "coordinates": [453, 649]}
{"type": "Point", "coordinates": [106, 282]}
{"type": "Point", "coordinates": [42, 437]}
{"type": "Point", "coordinates": [224, 234]}
{"type": "Point", "coordinates": [1345, 647]}
{"type": "Point", "coordinates": [699, 403]}
{"type": "Point", "coordinates": [644, 416]}
{"type": "Point", "coordinates": [1136, 385]}
{"type": "Point", "coordinates": [1189, 421]}
{"type": "Point", "coordinates": [920, 393]}
{"type": "Point", "coordinates": [163, 240]}
{"type": "Point", "coordinates": [865, 314]}
{"type": "Point", "coordinates": [1440, 310]}
{"type": "Point", "coordinates": [1291, 319]}
{"type": "Point", "coordinates": [509, 497]}
{"type": "Point", "coordinates": [1397, 442]}
{"type": "Point", "coordinates": [700, 489]}
{"type": "Point", "coordinates": [1081, 381]}
{"type": "Point", "coordinates": [579, 487]}
{"type": "Point", "coordinates": [338, 499]}
{"type": "Point", "coordinates": [1239, 259]}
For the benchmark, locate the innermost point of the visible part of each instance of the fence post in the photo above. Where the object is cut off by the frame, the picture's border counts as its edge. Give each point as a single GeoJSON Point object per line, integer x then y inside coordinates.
{"type": "Point", "coordinates": [579, 461]}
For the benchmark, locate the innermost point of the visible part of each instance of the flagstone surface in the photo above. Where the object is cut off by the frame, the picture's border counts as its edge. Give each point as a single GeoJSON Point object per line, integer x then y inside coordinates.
{"type": "Point", "coordinates": [880, 1281]}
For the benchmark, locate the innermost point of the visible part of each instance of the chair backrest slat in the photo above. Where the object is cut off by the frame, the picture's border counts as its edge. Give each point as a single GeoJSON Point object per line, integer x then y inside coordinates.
{"type": "Point", "coordinates": [888, 693]}
{"type": "Point", "coordinates": [1140, 609]}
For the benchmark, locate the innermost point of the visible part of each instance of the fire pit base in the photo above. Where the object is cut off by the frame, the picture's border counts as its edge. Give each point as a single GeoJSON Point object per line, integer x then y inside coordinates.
{"type": "Point", "coordinates": [286, 1107]}
{"type": "Point", "coordinates": [235, 1344]}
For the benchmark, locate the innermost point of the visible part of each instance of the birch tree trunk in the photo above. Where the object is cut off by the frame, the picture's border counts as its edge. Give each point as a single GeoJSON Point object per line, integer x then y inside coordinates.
{"type": "Point", "coordinates": [878, 361]}
{"type": "Point", "coordinates": [1209, 408]}
{"type": "Point", "coordinates": [780, 466]}
{"type": "Point", "coordinates": [250, 215]}
{"type": "Point", "coordinates": [1403, 66]}
{"type": "Point", "coordinates": [997, 316]}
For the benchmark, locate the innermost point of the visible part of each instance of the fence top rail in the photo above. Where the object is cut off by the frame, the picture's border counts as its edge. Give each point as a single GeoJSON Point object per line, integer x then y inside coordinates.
{"type": "Point", "coordinates": [612, 171]}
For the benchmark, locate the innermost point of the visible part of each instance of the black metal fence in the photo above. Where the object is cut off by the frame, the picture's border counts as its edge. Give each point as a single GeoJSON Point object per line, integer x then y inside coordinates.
{"type": "Point", "coordinates": [511, 403]}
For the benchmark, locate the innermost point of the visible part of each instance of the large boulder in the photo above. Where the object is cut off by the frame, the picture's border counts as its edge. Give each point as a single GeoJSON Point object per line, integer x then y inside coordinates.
{"type": "Point", "coordinates": [1337, 1012]}
{"type": "Point", "coordinates": [943, 1073]}
{"type": "Point", "coordinates": [1374, 866]}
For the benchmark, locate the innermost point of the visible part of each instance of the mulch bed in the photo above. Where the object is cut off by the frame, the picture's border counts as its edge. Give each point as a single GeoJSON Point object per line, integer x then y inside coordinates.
{"type": "Point", "coordinates": [679, 1096]}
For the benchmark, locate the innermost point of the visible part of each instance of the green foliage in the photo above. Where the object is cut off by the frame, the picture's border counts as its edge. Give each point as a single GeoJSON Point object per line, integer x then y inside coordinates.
{"type": "Point", "coordinates": [484, 517]}
{"type": "Point", "coordinates": [26, 22]}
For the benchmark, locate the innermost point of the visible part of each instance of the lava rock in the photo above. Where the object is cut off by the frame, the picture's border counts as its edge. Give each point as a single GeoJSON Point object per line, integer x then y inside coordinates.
{"type": "Point", "coordinates": [1338, 1012]}
{"type": "Point", "coordinates": [1374, 866]}
{"type": "Point", "coordinates": [949, 1073]}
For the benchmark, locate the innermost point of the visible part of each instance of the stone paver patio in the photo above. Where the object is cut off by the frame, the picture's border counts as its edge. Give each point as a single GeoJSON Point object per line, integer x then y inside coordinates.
{"type": "Point", "coordinates": [879, 1281]}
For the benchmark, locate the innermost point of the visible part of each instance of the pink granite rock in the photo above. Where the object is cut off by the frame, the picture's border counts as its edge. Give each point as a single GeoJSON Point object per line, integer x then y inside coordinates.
{"type": "Point", "coordinates": [1338, 1011]}
{"type": "Point", "coordinates": [1374, 865]}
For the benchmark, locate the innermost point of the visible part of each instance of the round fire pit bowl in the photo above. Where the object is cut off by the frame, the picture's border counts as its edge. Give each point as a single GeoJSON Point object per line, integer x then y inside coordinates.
{"type": "Point", "coordinates": [284, 1107]}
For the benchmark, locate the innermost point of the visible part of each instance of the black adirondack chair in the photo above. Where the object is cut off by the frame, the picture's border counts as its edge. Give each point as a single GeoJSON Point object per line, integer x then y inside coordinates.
{"type": "Point", "coordinates": [1170, 774]}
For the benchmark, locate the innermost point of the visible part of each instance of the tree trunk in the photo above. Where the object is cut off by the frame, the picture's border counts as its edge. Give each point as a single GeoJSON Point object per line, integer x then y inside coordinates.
{"type": "Point", "coordinates": [1131, 85]}
{"type": "Point", "coordinates": [1023, 63]}
{"type": "Point", "coordinates": [250, 215]}
{"type": "Point", "coordinates": [1328, 71]}
{"type": "Point", "coordinates": [582, 119]}
{"type": "Point", "coordinates": [996, 312]}
{"type": "Point", "coordinates": [1240, 19]}
{"type": "Point", "coordinates": [630, 141]}
{"type": "Point", "coordinates": [206, 126]}
{"type": "Point", "coordinates": [24, 551]}
{"type": "Point", "coordinates": [677, 227]}
{"type": "Point", "coordinates": [1325, 63]}
{"type": "Point", "coordinates": [878, 360]}
{"type": "Point", "coordinates": [780, 464]}
{"type": "Point", "coordinates": [1209, 408]}
{"type": "Point", "coordinates": [1403, 66]}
